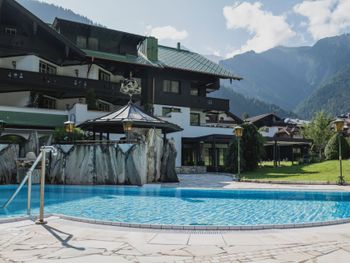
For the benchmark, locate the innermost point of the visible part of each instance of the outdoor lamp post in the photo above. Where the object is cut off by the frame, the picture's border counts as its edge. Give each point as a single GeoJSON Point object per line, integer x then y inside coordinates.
{"type": "Point", "coordinates": [339, 126]}
{"type": "Point", "coordinates": [127, 126]}
{"type": "Point", "coordinates": [69, 127]}
{"type": "Point", "coordinates": [238, 131]}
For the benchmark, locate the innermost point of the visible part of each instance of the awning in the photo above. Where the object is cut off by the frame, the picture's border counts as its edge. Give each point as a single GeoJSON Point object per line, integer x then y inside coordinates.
{"type": "Point", "coordinates": [286, 141]}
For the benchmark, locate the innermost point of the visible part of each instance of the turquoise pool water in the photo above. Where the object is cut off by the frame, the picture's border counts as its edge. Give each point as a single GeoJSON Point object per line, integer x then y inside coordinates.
{"type": "Point", "coordinates": [176, 206]}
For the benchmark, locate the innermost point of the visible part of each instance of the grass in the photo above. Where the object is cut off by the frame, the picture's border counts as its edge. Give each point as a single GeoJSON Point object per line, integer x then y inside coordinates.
{"type": "Point", "coordinates": [327, 171]}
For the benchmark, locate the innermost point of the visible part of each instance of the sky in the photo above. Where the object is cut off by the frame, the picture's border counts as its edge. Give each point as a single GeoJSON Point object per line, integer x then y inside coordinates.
{"type": "Point", "coordinates": [221, 27]}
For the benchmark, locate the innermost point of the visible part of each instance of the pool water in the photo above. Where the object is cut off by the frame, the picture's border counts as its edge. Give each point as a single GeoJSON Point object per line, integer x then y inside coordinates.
{"type": "Point", "coordinates": [179, 206]}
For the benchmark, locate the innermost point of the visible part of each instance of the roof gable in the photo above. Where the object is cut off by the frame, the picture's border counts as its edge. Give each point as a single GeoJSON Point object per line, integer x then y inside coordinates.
{"type": "Point", "coordinates": [17, 13]}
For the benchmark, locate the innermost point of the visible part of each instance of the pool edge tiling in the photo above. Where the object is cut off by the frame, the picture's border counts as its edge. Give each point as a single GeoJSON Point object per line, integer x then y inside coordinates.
{"type": "Point", "coordinates": [180, 227]}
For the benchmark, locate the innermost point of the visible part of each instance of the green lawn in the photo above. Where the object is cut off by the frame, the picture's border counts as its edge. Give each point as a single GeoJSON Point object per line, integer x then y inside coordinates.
{"type": "Point", "coordinates": [327, 171]}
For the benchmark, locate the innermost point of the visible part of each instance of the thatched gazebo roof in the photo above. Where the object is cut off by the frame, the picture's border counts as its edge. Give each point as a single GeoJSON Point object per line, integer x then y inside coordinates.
{"type": "Point", "coordinates": [113, 122]}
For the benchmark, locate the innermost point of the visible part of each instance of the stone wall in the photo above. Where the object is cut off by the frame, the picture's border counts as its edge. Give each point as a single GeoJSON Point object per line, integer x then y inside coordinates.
{"type": "Point", "coordinates": [148, 161]}
{"type": "Point", "coordinates": [8, 156]}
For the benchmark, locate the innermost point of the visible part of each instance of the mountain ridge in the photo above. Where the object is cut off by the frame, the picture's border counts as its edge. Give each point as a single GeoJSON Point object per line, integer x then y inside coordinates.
{"type": "Point", "coordinates": [287, 76]}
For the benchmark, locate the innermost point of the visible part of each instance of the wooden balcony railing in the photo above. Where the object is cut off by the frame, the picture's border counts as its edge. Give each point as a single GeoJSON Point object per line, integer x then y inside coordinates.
{"type": "Point", "coordinates": [19, 80]}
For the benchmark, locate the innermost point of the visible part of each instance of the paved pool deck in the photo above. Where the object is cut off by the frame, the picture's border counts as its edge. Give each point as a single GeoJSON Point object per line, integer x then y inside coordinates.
{"type": "Point", "coordinates": [63, 240]}
{"type": "Point", "coordinates": [225, 181]}
{"type": "Point", "coordinates": [72, 242]}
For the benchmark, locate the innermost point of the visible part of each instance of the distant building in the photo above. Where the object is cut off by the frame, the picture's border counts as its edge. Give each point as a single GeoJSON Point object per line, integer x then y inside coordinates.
{"type": "Point", "coordinates": [49, 74]}
{"type": "Point", "coordinates": [283, 138]}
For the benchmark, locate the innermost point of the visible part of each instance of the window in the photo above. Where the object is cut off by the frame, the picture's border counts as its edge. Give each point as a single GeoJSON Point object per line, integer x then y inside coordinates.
{"type": "Point", "coordinates": [48, 103]}
{"type": "Point", "coordinates": [93, 43]}
{"type": "Point", "coordinates": [194, 91]}
{"type": "Point", "coordinates": [102, 75]}
{"type": "Point", "coordinates": [212, 118]}
{"type": "Point", "coordinates": [101, 106]}
{"type": "Point", "coordinates": [81, 41]}
{"type": "Point", "coordinates": [171, 86]}
{"type": "Point", "coordinates": [166, 111]}
{"type": "Point", "coordinates": [10, 31]}
{"type": "Point", "coordinates": [195, 119]}
{"type": "Point", "coordinates": [47, 68]}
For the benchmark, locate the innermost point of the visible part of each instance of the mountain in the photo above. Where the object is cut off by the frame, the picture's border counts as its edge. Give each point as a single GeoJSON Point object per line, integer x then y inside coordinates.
{"type": "Point", "coordinates": [48, 12]}
{"type": "Point", "coordinates": [287, 76]}
{"type": "Point", "coordinates": [333, 96]}
{"type": "Point", "coordinates": [242, 105]}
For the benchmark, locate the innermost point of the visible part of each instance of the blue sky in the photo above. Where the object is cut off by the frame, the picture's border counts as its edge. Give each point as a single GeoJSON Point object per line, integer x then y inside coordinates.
{"type": "Point", "coordinates": [221, 27]}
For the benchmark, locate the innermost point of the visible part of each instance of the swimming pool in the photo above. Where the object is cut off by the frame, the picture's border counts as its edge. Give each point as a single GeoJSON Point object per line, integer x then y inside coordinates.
{"type": "Point", "coordinates": [179, 206]}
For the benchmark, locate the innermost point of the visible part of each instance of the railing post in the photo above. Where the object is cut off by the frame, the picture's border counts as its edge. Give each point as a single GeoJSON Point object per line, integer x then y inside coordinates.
{"type": "Point", "coordinates": [29, 196]}
{"type": "Point", "coordinates": [42, 187]}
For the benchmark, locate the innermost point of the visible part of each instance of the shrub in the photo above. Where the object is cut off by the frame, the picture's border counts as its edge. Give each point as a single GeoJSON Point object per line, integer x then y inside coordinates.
{"type": "Point", "coordinates": [332, 148]}
{"type": "Point", "coordinates": [60, 135]}
{"type": "Point", "coordinates": [318, 131]}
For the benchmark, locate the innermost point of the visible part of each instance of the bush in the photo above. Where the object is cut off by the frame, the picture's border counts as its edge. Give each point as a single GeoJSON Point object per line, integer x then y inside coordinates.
{"type": "Point", "coordinates": [252, 150]}
{"type": "Point", "coordinates": [332, 148]}
{"type": "Point", "coordinates": [60, 135]}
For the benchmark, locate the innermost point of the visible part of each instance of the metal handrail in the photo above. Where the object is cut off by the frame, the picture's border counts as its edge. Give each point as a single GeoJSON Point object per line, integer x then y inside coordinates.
{"type": "Point", "coordinates": [28, 178]}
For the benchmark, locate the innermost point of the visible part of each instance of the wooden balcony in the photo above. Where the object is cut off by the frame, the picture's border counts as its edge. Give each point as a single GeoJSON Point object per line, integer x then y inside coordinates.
{"type": "Point", "coordinates": [208, 103]}
{"type": "Point", "coordinates": [58, 86]}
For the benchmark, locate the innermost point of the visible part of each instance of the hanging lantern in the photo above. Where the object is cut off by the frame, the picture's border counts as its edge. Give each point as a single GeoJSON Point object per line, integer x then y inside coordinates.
{"type": "Point", "coordinates": [127, 126]}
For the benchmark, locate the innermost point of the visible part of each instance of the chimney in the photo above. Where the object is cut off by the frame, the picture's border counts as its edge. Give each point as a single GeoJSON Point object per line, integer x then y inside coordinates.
{"type": "Point", "coordinates": [178, 45]}
{"type": "Point", "coordinates": [150, 48]}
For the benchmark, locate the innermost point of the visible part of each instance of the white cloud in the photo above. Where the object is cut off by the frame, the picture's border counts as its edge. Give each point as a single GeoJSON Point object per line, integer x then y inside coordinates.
{"type": "Point", "coordinates": [268, 30]}
{"type": "Point", "coordinates": [213, 51]}
{"type": "Point", "coordinates": [325, 17]}
{"type": "Point", "coordinates": [167, 33]}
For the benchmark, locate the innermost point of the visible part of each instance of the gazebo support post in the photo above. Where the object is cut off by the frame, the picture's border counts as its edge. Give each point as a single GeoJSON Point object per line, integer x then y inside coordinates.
{"type": "Point", "coordinates": [215, 157]}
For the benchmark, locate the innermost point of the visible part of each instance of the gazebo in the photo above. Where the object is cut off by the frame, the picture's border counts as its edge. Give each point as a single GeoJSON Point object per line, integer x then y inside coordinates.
{"type": "Point", "coordinates": [122, 120]}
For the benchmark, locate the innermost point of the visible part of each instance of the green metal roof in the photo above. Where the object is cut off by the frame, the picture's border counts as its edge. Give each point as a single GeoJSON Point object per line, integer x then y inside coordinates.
{"type": "Point", "coordinates": [169, 58]}
{"type": "Point", "coordinates": [139, 60]}
{"type": "Point", "coordinates": [13, 118]}
{"type": "Point", "coordinates": [190, 61]}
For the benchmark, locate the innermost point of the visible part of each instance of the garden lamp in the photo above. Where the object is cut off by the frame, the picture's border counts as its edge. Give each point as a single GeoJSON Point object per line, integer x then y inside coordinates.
{"type": "Point", "coordinates": [339, 127]}
{"type": "Point", "coordinates": [69, 126]}
{"type": "Point", "coordinates": [238, 132]}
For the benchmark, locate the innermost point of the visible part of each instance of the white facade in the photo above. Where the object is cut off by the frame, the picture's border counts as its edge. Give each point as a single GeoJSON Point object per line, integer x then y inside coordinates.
{"type": "Point", "coordinates": [31, 63]}
{"type": "Point", "coordinates": [182, 119]}
{"type": "Point", "coordinates": [19, 101]}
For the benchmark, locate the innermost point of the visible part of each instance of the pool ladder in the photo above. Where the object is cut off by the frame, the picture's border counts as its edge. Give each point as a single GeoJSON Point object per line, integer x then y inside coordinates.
{"type": "Point", "coordinates": [28, 178]}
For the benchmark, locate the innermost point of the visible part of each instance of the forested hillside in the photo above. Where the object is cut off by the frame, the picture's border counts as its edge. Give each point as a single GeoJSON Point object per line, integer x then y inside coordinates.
{"type": "Point", "coordinates": [333, 97]}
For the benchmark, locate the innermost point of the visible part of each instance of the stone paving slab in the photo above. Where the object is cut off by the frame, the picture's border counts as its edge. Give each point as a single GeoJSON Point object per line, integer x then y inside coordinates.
{"type": "Point", "coordinates": [66, 241]}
